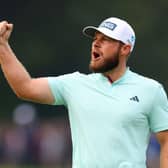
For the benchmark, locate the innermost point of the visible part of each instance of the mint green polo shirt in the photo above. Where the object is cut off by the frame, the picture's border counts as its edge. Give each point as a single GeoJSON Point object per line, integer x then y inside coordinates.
{"type": "Point", "coordinates": [111, 122]}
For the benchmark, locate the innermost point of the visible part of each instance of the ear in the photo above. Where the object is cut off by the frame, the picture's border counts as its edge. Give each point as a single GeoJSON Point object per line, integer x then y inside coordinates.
{"type": "Point", "coordinates": [126, 49]}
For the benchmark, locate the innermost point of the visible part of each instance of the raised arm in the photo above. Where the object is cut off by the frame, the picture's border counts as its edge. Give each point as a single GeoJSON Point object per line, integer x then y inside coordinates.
{"type": "Point", "coordinates": [24, 86]}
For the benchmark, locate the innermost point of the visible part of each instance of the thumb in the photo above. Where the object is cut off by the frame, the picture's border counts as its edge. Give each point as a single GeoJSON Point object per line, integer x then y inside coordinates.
{"type": "Point", "coordinates": [3, 27]}
{"type": "Point", "coordinates": [9, 28]}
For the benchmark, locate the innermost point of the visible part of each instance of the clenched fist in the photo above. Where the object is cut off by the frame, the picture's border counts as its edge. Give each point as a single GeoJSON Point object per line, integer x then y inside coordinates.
{"type": "Point", "coordinates": [5, 31]}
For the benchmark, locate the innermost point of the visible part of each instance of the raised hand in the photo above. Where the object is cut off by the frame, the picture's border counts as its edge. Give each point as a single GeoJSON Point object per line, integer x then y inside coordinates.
{"type": "Point", "coordinates": [5, 31]}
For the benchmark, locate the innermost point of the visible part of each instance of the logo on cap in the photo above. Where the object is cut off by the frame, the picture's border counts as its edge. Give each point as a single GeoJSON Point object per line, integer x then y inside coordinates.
{"type": "Point", "coordinates": [133, 39]}
{"type": "Point", "coordinates": [108, 25]}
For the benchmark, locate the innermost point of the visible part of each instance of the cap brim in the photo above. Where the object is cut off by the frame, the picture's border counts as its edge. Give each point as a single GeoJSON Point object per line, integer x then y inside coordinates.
{"type": "Point", "coordinates": [90, 31]}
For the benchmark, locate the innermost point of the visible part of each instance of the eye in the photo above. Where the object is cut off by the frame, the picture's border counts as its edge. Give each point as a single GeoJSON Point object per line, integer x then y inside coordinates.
{"type": "Point", "coordinates": [107, 38]}
{"type": "Point", "coordinates": [94, 38]}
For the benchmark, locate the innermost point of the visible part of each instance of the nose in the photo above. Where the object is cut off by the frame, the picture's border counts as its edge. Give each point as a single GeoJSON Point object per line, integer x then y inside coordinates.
{"type": "Point", "coordinates": [96, 43]}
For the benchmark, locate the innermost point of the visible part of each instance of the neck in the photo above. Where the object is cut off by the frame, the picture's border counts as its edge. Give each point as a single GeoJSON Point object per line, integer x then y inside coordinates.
{"type": "Point", "coordinates": [115, 73]}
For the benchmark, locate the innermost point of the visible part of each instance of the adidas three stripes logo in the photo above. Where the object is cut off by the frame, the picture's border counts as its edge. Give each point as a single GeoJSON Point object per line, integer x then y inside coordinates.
{"type": "Point", "coordinates": [135, 98]}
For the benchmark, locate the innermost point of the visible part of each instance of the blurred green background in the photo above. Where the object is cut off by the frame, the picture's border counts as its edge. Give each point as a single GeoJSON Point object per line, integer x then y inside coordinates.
{"type": "Point", "coordinates": [47, 38]}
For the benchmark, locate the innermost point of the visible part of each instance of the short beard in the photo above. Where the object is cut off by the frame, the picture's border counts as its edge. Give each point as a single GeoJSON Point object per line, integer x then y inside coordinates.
{"type": "Point", "coordinates": [108, 65]}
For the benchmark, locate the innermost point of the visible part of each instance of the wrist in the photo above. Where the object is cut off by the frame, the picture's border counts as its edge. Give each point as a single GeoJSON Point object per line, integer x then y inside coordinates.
{"type": "Point", "coordinates": [5, 52]}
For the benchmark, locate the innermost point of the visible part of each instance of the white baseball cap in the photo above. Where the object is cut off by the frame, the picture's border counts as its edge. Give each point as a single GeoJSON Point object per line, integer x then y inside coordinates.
{"type": "Point", "coordinates": [114, 28]}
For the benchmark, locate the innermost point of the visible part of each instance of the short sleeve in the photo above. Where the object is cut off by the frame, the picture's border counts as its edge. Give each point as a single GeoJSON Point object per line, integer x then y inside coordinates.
{"type": "Point", "coordinates": [158, 116]}
{"type": "Point", "coordinates": [61, 87]}
{"type": "Point", "coordinates": [56, 89]}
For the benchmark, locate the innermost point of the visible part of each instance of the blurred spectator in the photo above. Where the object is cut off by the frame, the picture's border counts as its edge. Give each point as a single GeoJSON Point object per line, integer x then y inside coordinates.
{"type": "Point", "coordinates": [14, 145]}
{"type": "Point", "coordinates": [48, 144]}
{"type": "Point", "coordinates": [153, 153]}
{"type": "Point", "coordinates": [31, 141]}
{"type": "Point", "coordinates": [53, 143]}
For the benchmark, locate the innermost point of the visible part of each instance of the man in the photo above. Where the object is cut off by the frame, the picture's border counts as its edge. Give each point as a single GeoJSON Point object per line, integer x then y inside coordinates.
{"type": "Point", "coordinates": [112, 110]}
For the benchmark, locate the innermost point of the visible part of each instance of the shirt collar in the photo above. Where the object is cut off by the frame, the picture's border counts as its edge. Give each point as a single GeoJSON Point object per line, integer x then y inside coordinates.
{"type": "Point", "coordinates": [121, 79]}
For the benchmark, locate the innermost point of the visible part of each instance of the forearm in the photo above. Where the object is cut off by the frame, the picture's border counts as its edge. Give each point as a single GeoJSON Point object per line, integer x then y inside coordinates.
{"type": "Point", "coordinates": [13, 70]}
{"type": "Point", "coordinates": [23, 85]}
{"type": "Point", "coordinates": [164, 157]}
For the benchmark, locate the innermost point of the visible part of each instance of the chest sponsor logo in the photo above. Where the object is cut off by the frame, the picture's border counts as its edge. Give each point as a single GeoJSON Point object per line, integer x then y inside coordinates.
{"type": "Point", "coordinates": [135, 98]}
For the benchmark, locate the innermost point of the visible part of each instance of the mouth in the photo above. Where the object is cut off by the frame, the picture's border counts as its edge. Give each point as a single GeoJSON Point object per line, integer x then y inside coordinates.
{"type": "Point", "coordinates": [96, 55]}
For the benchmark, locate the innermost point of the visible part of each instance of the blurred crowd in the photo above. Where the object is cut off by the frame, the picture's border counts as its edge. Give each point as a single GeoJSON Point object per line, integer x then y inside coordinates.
{"type": "Point", "coordinates": [47, 143]}
{"type": "Point", "coordinates": [27, 140]}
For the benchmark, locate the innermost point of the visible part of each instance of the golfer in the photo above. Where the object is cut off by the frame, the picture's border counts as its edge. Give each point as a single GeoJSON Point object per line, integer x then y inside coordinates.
{"type": "Point", "coordinates": [112, 110]}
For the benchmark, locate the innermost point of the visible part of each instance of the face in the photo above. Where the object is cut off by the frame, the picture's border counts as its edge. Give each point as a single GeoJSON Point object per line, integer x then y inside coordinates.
{"type": "Point", "coordinates": [104, 53]}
